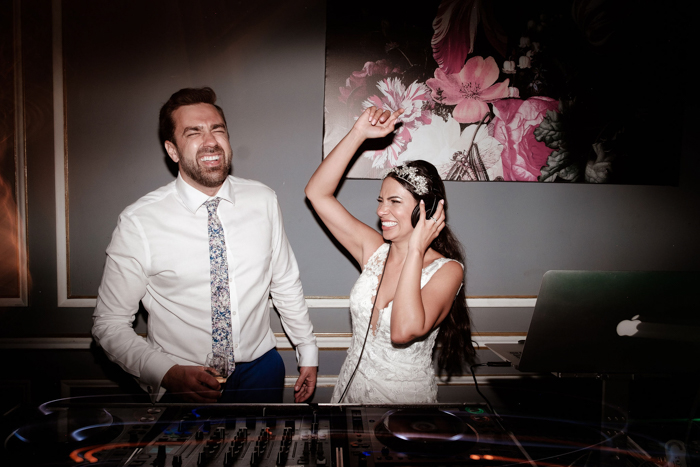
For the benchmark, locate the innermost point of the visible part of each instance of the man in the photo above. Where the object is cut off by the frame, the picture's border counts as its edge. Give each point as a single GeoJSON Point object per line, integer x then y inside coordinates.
{"type": "Point", "coordinates": [203, 254]}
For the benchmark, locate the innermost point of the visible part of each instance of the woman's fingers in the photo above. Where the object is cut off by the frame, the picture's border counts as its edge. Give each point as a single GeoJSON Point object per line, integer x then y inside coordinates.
{"type": "Point", "coordinates": [376, 115]}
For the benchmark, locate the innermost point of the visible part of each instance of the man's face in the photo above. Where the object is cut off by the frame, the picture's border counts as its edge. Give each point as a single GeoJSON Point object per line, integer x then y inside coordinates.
{"type": "Point", "coordinates": [201, 148]}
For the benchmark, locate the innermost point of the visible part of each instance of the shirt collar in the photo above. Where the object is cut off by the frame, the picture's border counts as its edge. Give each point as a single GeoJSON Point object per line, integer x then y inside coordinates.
{"type": "Point", "coordinates": [193, 199]}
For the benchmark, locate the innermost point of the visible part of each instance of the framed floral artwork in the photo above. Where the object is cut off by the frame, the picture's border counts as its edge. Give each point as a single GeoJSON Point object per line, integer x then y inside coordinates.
{"type": "Point", "coordinates": [506, 90]}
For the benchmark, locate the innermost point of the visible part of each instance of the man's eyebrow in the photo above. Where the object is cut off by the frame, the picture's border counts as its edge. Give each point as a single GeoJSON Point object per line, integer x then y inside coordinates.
{"type": "Point", "coordinates": [199, 127]}
{"type": "Point", "coordinates": [191, 128]}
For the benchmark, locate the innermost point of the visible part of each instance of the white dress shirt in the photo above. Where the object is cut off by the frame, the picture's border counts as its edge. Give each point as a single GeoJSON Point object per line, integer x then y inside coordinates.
{"type": "Point", "coordinates": [159, 254]}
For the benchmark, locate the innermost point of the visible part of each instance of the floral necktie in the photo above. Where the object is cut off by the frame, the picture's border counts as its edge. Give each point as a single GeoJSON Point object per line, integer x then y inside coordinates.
{"type": "Point", "coordinates": [220, 295]}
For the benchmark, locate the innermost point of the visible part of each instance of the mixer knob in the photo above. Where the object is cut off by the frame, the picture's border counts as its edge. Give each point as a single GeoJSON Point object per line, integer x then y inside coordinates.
{"type": "Point", "coordinates": [177, 461]}
{"type": "Point", "coordinates": [385, 451]}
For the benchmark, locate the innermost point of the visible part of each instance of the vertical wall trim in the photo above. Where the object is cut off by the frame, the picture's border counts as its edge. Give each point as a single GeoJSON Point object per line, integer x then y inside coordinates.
{"type": "Point", "coordinates": [59, 152]}
{"type": "Point", "coordinates": [20, 126]}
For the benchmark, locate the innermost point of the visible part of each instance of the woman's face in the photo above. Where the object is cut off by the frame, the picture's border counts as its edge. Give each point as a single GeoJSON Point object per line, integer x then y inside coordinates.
{"type": "Point", "coordinates": [396, 205]}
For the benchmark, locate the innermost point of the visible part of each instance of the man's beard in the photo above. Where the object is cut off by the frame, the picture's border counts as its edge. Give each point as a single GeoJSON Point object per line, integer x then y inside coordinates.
{"type": "Point", "coordinates": [210, 178]}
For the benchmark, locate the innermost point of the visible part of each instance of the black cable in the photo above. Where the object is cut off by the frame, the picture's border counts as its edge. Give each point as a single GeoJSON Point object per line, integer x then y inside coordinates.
{"type": "Point", "coordinates": [369, 325]}
{"type": "Point", "coordinates": [476, 386]}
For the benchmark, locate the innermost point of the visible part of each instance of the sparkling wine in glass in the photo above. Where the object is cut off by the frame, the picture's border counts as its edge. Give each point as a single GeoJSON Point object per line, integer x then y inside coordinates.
{"type": "Point", "coordinates": [219, 363]}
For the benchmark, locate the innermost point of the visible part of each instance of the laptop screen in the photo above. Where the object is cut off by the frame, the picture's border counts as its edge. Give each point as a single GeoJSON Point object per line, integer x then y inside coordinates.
{"type": "Point", "coordinates": [615, 322]}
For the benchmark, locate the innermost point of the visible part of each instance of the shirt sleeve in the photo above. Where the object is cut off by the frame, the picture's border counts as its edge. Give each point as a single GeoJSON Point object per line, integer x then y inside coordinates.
{"type": "Point", "coordinates": [288, 296]}
{"type": "Point", "coordinates": [123, 285]}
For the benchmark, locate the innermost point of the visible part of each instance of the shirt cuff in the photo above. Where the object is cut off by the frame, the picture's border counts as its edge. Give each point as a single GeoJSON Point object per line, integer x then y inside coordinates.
{"type": "Point", "coordinates": [307, 354]}
{"type": "Point", "coordinates": [152, 375]}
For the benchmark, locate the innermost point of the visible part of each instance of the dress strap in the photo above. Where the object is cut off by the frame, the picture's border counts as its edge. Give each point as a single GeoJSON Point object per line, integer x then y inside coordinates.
{"type": "Point", "coordinates": [375, 263]}
{"type": "Point", "coordinates": [433, 267]}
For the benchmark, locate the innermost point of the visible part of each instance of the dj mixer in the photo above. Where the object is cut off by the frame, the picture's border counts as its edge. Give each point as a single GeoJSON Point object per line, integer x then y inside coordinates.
{"type": "Point", "coordinates": [183, 435]}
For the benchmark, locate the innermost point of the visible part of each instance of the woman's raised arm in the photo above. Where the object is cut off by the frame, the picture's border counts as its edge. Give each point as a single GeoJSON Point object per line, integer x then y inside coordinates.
{"type": "Point", "coordinates": [354, 235]}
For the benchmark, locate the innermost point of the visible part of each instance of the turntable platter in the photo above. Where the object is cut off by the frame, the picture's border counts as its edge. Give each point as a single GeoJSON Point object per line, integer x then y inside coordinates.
{"type": "Point", "coordinates": [428, 431]}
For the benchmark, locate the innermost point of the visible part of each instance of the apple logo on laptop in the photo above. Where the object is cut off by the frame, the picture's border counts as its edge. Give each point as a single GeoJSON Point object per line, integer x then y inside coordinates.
{"type": "Point", "coordinates": [628, 327]}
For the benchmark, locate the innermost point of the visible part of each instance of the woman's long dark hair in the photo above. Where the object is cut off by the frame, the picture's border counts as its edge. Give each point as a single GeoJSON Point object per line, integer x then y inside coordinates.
{"type": "Point", "coordinates": [455, 335]}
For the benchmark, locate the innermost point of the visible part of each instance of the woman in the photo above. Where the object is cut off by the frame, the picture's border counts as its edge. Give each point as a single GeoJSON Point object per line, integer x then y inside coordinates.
{"type": "Point", "coordinates": [410, 291]}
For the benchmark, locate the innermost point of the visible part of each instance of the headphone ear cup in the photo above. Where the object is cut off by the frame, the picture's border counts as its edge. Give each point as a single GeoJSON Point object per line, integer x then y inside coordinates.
{"type": "Point", "coordinates": [429, 211]}
{"type": "Point", "coordinates": [415, 215]}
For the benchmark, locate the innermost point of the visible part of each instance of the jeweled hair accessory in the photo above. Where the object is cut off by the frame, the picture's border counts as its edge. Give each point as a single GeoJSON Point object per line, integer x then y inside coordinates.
{"type": "Point", "coordinates": [410, 176]}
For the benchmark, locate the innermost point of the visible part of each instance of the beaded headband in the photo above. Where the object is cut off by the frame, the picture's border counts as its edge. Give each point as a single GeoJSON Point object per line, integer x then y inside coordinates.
{"type": "Point", "coordinates": [410, 176]}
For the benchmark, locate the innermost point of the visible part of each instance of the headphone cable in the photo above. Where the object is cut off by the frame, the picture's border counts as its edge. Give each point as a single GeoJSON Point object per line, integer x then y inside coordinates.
{"type": "Point", "coordinates": [369, 325]}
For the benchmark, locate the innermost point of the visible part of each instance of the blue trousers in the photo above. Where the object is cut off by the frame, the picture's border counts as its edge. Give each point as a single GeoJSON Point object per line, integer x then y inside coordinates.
{"type": "Point", "coordinates": [259, 381]}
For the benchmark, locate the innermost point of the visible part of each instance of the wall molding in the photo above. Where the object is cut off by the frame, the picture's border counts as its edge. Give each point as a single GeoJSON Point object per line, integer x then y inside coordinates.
{"type": "Point", "coordinates": [311, 301]}
{"type": "Point", "coordinates": [326, 341]}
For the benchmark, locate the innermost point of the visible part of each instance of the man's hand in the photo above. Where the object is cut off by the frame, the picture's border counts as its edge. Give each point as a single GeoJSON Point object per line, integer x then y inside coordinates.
{"type": "Point", "coordinates": [193, 384]}
{"type": "Point", "coordinates": [306, 384]}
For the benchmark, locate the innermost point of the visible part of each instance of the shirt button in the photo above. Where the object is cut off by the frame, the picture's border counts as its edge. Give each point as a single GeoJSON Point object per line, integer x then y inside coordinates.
{"type": "Point", "coordinates": [233, 312]}
{"type": "Point", "coordinates": [236, 346]}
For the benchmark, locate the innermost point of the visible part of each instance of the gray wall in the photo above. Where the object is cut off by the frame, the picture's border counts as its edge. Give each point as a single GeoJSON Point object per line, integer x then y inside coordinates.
{"type": "Point", "coordinates": [122, 60]}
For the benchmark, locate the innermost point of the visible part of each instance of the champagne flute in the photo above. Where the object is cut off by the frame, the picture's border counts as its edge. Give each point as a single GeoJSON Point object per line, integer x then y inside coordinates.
{"type": "Point", "coordinates": [219, 363]}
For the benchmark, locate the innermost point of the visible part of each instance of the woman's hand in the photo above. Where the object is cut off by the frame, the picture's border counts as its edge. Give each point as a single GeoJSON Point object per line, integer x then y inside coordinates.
{"type": "Point", "coordinates": [376, 123]}
{"type": "Point", "coordinates": [427, 230]}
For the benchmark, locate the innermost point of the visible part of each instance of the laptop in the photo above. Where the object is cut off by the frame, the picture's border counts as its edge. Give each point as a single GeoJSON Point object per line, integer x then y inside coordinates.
{"type": "Point", "coordinates": [611, 322]}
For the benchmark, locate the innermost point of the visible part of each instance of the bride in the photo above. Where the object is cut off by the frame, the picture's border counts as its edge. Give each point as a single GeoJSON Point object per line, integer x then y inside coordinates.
{"type": "Point", "coordinates": [410, 294]}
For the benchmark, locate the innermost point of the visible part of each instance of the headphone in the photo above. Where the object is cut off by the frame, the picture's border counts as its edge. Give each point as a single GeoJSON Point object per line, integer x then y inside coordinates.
{"type": "Point", "coordinates": [429, 199]}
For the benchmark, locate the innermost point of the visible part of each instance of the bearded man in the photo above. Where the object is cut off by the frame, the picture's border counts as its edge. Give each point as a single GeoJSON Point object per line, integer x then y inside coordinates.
{"type": "Point", "coordinates": [204, 254]}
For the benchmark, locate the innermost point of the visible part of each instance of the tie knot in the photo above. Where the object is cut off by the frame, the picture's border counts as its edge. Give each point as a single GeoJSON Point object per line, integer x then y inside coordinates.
{"type": "Point", "coordinates": [212, 205]}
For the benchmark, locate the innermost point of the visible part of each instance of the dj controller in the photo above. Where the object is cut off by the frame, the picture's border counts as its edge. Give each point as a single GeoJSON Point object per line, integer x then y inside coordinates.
{"type": "Point", "coordinates": [183, 435]}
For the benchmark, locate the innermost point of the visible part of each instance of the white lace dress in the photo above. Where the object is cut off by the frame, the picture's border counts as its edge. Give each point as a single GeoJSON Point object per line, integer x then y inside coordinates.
{"type": "Point", "coordinates": [388, 373]}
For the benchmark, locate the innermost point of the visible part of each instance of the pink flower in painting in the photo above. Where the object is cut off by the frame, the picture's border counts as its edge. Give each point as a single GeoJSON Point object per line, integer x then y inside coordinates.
{"type": "Point", "coordinates": [356, 84]}
{"type": "Point", "coordinates": [417, 104]}
{"type": "Point", "coordinates": [523, 156]}
{"type": "Point", "coordinates": [470, 89]}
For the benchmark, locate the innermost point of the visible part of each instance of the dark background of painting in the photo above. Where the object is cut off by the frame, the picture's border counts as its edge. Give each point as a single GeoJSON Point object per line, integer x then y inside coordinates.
{"type": "Point", "coordinates": [616, 66]}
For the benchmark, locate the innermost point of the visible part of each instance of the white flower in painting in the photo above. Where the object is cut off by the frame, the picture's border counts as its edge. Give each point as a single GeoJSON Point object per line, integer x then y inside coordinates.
{"type": "Point", "coordinates": [509, 67]}
{"type": "Point", "coordinates": [524, 62]}
{"type": "Point", "coordinates": [416, 102]}
{"type": "Point", "coordinates": [438, 142]}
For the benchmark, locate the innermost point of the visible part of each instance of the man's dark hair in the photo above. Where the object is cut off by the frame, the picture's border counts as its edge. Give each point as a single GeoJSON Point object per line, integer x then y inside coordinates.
{"type": "Point", "coordinates": [186, 96]}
